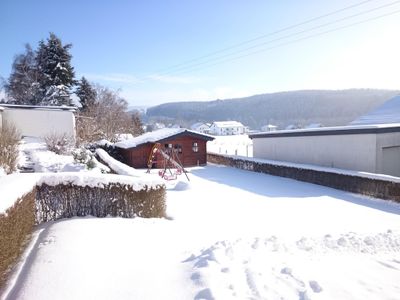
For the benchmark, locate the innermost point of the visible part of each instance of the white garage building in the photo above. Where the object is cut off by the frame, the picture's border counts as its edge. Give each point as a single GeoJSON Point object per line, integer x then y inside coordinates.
{"type": "Point", "coordinates": [39, 121]}
{"type": "Point", "coordinates": [368, 148]}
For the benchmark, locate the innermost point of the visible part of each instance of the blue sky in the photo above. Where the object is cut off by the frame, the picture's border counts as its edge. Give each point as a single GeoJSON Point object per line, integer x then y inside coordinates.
{"type": "Point", "coordinates": [131, 45]}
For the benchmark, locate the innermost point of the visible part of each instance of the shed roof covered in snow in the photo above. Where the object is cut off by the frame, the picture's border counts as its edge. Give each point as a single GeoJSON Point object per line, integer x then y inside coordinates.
{"type": "Point", "coordinates": [158, 136]}
{"type": "Point", "coordinates": [389, 112]}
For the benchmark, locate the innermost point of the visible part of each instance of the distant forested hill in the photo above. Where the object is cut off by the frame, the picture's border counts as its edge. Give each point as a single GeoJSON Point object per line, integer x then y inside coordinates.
{"type": "Point", "coordinates": [328, 107]}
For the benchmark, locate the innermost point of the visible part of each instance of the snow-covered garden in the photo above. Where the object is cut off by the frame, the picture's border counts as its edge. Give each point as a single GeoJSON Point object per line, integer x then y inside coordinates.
{"type": "Point", "coordinates": [240, 145]}
{"type": "Point", "coordinates": [230, 234]}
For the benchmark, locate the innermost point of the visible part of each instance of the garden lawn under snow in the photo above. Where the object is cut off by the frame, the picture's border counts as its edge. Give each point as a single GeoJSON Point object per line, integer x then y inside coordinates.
{"type": "Point", "coordinates": [233, 234]}
{"type": "Point", "coordinates": [240, 145]}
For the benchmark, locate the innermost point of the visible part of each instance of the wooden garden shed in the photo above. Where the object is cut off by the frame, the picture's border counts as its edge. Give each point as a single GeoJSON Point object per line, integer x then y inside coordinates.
{"type": "Point", "coordinates": [189, 146]}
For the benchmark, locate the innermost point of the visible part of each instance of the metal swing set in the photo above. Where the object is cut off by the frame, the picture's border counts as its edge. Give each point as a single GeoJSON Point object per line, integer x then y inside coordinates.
{"type": "Point", "coordinates": [172, 166]}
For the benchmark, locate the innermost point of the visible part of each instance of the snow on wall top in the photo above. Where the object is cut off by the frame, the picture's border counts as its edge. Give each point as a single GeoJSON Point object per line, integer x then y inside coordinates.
{"type": "Point", "coordinates": [228, 124]}
{"type": "Point", "coordinates": [1, 108]}
{"type": "Point", "coordinates": [155, 136]}
{"type": "Point", "coordinates": [389, 112]}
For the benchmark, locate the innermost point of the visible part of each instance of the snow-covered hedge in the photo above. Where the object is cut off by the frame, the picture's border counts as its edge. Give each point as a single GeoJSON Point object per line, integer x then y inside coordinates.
{"type": "Point", "coordinates": [117, 166]}
{"type": "Point", "coordinates": [72, 195]}
{"type": "Point", "coordinates": [16, 224]}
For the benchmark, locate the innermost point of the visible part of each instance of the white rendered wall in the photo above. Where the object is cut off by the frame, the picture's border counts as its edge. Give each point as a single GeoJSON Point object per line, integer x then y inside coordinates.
{"type": "Point", "coordinates": [41, 122]}
{"type": "Point", "coordinates": [351, 152]}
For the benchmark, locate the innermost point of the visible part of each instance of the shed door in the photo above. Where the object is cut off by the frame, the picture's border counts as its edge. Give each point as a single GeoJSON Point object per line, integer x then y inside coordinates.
{"type": "Point", "coordinates": [391, 161]}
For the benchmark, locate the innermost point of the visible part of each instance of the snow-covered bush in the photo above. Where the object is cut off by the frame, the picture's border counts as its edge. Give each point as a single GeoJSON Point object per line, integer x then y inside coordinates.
{"type": "Point", "coordinates": [81, 155]}
{"type": "Point", "coordinates": [91, 164]}
{"type": "Point", "coordinates": [59, 143]}
{"type": "Point", "coordinates": [9, 138]}
{"type": "Point", "coordinates": [85, 156]}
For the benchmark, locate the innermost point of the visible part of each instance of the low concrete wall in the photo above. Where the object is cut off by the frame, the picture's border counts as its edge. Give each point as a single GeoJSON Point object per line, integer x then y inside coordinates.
{"type": "Point", "coordinates": [379, 188]}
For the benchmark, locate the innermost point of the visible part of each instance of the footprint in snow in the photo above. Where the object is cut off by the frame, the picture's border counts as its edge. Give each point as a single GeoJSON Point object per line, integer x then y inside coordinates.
{"type": "Point", "coordinates": [204, 295]}
{"type": "Point", "coordinates": [342, 242]}
{"type": "Point", "coordinates": [287, 271]}
{"type": "Point", "coordinates": [314, 285]}
{"type": "Point", "coordinates": [303, 295]}
{"type": "Point", "coordinates": [225, 270]}
{"type": "Point", "coordinates": [256, 244]}
{"type": "Point", "coordinates": [196, 278]}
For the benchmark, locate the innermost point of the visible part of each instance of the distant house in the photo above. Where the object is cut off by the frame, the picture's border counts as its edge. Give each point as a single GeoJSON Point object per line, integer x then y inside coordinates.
{"type": "Point", "coordinates": [201, 127]}
{"type": "Point", "coordinates": [190, 147]}
{"type": "Point", "coordinates": [269, 127]}
{"type": "Point", "coordinates": [227, 128]}
{"type": "Point", "coordinates": [39, 121]}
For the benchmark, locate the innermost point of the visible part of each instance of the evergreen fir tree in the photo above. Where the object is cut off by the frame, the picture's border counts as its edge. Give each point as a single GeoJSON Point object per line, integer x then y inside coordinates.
{"type": "Point", "coordinates": [23, 86]}
{"type": "Point", "coordinates": [86, 94]}
{"type": "Point", "coordinates": [56, 73]}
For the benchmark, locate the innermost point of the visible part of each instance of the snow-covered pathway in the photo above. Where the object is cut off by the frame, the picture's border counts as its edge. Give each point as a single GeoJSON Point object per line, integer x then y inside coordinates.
{"type": "Point", "coordinates": [233, 235]}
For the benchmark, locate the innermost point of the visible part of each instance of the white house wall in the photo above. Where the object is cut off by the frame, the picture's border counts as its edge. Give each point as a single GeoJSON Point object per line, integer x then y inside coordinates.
{"type": "Point", "coordinates": [352, 152]}
{"type": "Point", "coordinates": [40, 122]}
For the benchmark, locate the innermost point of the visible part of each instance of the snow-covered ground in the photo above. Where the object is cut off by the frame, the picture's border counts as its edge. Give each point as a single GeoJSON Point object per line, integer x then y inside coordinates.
{"type": "Point", "coordinates": [34, 154]}
{"type": "Point", "coordinates": [233, 234]}
{"type": "Point", "coordinates": [240, 145]}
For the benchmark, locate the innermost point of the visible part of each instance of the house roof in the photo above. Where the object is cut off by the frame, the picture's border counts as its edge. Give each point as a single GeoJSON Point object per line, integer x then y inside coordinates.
{"type": "Point", "coordinates": [17, 106]}
{"type": "Point", "coordinates": [389, 112]}
{"type": "Point", "coordinates": [197, 125]}
{"type": "Point", "coordinates": [228, 124]}
{"type": "Point", "coordinates": [159, 136]}
{"type": "Point", "coordinates": [338, 130]}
